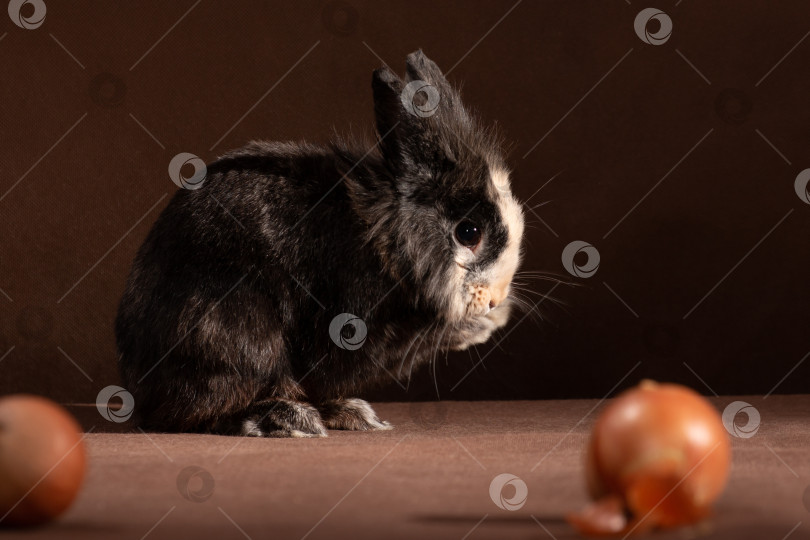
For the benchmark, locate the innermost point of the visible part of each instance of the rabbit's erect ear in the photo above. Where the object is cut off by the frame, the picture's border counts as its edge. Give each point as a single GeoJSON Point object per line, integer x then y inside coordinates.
{"type": "Point", "coordinates": [398, 129]}
{"type": "Point", "coordinates": [413, 116]}
{"type": "Point", "coordinates": [421, 68]}
{"type": "Point", "coordinates": [388, 110]}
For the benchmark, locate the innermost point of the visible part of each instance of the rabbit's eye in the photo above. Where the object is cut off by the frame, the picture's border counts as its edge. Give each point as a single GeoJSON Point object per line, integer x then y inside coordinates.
{"type": "Point", "coordinates": [468, 234]}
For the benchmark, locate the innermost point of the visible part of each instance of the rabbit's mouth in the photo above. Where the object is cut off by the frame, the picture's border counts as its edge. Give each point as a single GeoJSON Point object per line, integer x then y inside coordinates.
{"type": "Point", "coordinates": [476, 329]}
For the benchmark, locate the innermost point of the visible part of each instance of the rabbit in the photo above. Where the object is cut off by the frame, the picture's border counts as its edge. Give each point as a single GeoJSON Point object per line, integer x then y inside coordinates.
{"type": "Point", "coordinates": [298, 275]}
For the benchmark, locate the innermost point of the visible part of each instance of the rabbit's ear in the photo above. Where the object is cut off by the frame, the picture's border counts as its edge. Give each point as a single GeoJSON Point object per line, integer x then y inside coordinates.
{"type": "Point", "coordinates": [421, 68]}
{"type": "Point", "coordinates": [398, 129]}
{"type": "Point", "coordinates": [388, 110]}
{"type": "Point", "coordinates": [415, 117]}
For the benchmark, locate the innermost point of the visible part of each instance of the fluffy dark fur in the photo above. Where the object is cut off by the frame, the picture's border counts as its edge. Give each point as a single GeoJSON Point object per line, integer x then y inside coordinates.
{"type": "Point", "coordinates": [224, 324]}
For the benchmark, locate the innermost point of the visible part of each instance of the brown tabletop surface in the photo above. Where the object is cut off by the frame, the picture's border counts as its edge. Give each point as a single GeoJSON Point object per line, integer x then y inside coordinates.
{"type": "Point", "coordinates": [428, 478]}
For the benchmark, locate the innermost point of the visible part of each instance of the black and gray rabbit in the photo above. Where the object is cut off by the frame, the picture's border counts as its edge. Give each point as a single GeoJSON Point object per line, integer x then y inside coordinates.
{"type": "Point", "coordinates": [298, 275]}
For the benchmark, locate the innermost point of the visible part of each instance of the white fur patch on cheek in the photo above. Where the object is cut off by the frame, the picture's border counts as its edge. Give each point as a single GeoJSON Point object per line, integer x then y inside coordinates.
{"type": "Point", "coordinates": [458, 301]}
{"type": "Point", "coordinates": [511, 210]}
{"type": "Point", "coordinates": [512, 215]}
{"type": "Point", "coordinates": [493, 283]}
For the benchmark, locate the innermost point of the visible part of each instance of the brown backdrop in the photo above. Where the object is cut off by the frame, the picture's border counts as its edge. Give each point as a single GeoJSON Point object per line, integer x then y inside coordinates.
{"type": "Point", "coordinates": [697, 142]}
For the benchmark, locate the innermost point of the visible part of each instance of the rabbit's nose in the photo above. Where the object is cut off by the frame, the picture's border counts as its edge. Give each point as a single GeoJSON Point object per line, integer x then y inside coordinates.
{"type": "Point", "coordinates": [492, 304]}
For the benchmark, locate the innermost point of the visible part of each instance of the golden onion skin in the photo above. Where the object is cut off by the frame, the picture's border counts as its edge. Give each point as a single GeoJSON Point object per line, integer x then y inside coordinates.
{"type": "Point", "coordinates": [663, 450]}
{"type": "Point", "coordinates": [42, 460]}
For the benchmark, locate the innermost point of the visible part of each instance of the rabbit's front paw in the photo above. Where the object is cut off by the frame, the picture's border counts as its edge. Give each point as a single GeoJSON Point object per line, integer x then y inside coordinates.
{"type": "Point", "coordinates": [354, 414]}
{"type": "Point", "coordinates": [282, 418]}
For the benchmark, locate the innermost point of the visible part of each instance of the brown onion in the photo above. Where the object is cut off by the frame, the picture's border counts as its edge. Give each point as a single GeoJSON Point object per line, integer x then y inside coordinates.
{"type": "Point", "coordinates": [42, 460]}
{"type": "Point", "coordinates": [658, 457]}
